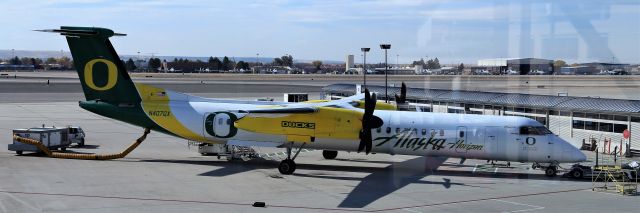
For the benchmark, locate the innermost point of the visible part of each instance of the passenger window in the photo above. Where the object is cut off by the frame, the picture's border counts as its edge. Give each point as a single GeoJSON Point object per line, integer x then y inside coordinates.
{"type": "Point", "coordinates": [461, 134]}
{"type": "Point", "coordinates": [424, 131]}
{"type": "Point", "coordinates": [388, 130]}
{"type": "Point", "coordinates": [228, 121]}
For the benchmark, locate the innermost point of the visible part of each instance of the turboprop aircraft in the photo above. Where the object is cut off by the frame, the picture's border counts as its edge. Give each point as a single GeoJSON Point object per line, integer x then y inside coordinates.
{"type": "Point", "coordinates": [331, 126]}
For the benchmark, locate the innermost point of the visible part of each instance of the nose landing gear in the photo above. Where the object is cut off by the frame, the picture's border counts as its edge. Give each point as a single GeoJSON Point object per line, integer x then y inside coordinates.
{"type": "Point", "coordinates": [550, 170]}
{"type": "Point", "coordinates": [287, 167]}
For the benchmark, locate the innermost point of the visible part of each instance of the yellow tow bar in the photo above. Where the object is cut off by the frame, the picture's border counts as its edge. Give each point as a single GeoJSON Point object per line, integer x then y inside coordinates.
{"type": "Point", "coordinates": [82, 156]}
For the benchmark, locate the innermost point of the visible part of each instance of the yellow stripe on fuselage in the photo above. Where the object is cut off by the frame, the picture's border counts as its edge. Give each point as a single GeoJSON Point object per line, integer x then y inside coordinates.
{"type": "Point", "coordinates": [155, 103]}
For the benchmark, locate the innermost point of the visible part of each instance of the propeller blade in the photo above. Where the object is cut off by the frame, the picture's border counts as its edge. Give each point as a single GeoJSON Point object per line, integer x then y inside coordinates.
{"type": "Point", "coordinates": [362, 144]}
{"type": "Point", "coordinates": [369, 140]}
{"type": "Point", "coordinates": [365, 118]}
{"type": "Point", "coordinates": [403, 94]}
{"type": "Point", "coordinates": [369, 122]}
{"type": "Point", "coordinates": [365, 133]}
{"type": "Point", "coordinates": [401, 100]}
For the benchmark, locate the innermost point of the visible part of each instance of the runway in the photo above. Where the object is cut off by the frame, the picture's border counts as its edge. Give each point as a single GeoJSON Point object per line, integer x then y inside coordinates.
{"type": "Point", "coordinates": [221, 85]}
{"type": "Point", "coordinates": [166, 175]}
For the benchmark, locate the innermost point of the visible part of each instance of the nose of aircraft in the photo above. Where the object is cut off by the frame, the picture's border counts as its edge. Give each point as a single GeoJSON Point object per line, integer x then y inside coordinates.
{"type": "Point", "coordinates": [576, 155]}
{"type": "Point", "coordinates": [571, 153]}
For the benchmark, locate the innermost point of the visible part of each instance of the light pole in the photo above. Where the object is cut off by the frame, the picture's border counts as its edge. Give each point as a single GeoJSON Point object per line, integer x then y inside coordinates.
{"type": "Point", "coordinates": [257, 62]}
{"type": "Point", "coordinates": [385, 47]}
{"type": "Point", "coordinates": [397, 64]}
{"type": "Point", "coordinates": [138, 62]}
{"type": "Point", "coordinates": [364, 64]}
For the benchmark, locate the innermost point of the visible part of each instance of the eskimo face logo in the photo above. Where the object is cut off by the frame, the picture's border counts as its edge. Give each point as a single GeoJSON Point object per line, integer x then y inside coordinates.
{"type": "Point", "coordinates": [112, 74]}
{"type": "Point", "coordinates": [301, 125]}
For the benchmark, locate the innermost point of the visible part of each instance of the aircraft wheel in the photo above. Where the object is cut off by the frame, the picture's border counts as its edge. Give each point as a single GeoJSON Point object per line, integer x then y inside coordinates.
{"type": "Point", "coordinates": [551, 171]}
{"type": "Point", "coordinates": [577, 174]}
{"type": "Point", "coordinates": [19, 152]}
{"type": "Point", "coordinates": [287, 167]}
{"type": "Point", "coordinates": [328, 154]}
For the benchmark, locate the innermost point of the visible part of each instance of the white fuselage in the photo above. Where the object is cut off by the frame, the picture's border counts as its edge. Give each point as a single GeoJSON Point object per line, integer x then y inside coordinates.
{"type": "Point", "coordinates": [406, 133]}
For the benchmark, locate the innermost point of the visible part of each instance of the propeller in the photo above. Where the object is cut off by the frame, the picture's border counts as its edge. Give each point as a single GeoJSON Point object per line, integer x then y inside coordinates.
{"type": "Point", "coordinates": [369, 122]}
{"type": "Point", "coordinates": [401, 100]}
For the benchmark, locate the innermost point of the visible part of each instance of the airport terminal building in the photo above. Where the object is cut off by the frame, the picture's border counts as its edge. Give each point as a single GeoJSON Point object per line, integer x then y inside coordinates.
{"type": "Point", "coordinates": [575, 119]}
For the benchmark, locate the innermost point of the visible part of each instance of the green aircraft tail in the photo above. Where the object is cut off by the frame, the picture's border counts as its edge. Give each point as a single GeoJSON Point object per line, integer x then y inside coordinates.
{"type": "Point", "coordinates": [106, 84]}
{"type": "Point", "coordinates": [102, 74]}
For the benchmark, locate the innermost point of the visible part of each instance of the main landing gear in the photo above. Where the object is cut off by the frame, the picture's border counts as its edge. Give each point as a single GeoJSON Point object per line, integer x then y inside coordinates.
{"type": "Point", "coordinates": [288, 166]}
{"type": "Point", "coordinates": [550, 170]}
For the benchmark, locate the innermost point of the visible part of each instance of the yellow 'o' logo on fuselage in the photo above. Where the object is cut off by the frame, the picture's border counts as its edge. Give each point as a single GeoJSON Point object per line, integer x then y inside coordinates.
{"type": "Point", "coordinates": [112, 74]}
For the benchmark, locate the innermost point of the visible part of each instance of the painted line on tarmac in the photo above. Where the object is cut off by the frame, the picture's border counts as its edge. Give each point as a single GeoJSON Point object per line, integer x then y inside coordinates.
{"type": "Point", "coordinates": [180, 201]}
{"type": "Point", "coordinates": [476, 200]}
{"type": "Point", "coordinates": [532, 207]}
{"type": "Point", "coordinates": [290, 207]}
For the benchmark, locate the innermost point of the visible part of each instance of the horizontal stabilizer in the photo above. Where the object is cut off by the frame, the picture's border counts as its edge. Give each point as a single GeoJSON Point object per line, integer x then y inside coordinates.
{"type": "Point", "coordinates": [82, 32]}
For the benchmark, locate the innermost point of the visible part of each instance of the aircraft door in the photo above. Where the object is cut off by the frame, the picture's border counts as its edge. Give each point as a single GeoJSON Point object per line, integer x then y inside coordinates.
{"type": "Point", "coordinates": [551, 149]}
{"type": "Point", "coordinates": [509, 148]}
{"type": "Point", "coordinates": [492, 140]}
{"type": "Point", "coordinates": [461, 138]}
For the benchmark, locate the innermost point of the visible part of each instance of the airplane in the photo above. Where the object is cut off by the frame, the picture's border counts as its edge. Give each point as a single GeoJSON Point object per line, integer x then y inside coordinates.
{"type": "Point", "coordinates": [332, 126]}
{"type": "Point", "coordinates": [537, 72]}
{"type": "Point", "coordinates": [512, 72]}
{"type": "Point", "coordinates": [483, 72]}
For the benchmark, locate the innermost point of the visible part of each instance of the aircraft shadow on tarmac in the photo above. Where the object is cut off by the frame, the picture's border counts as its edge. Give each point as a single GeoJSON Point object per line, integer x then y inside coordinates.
{"type": "Point", "coordinates": [380, 182]}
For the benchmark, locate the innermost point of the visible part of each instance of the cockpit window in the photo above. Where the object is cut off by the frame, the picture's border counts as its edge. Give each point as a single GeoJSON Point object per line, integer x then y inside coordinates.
{"type": "Point", "coordinates": [534, 130]}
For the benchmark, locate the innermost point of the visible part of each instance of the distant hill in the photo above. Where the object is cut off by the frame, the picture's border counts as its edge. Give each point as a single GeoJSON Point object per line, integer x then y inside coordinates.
{"type": "Point", "coordinates": [5, 54]}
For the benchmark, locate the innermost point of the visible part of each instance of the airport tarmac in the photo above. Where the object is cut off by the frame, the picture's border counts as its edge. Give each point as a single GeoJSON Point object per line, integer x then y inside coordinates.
{"type": "Point", "coordinates": [166, 175]}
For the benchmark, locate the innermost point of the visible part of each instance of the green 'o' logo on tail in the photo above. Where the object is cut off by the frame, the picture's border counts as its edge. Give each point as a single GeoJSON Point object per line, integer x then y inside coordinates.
{"type": "Point", "coordinates": [112, 77]}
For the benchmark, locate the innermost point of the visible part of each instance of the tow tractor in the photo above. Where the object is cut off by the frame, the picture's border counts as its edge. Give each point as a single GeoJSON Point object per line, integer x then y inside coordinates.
{"type": "Point", "coordinates": [624, 171]}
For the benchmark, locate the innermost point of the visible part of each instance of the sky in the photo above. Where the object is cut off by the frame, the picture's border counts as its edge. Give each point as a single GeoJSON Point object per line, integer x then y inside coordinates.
{"type": "Point", "coordinates": [455, 31]}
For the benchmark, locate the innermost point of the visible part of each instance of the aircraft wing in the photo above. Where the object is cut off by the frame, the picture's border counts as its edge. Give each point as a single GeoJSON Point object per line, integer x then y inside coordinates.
{"type": "Point", "coordinates": [346, 103]}
{"type": "Point", "coordinates": [288, 110]}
